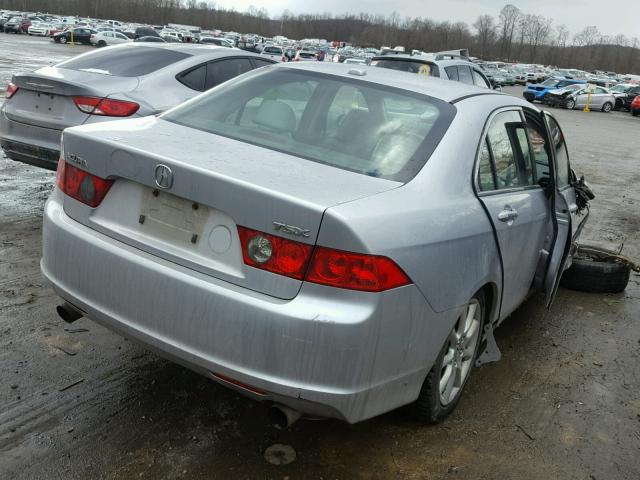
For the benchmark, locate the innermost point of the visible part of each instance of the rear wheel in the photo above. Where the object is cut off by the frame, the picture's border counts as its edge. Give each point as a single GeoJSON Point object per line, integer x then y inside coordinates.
{"type": "Point", "coordinates": [63, 39]}
{"type": "Point", "coordinates": [444, 384]}
{"type": "Point", "coordinates": [635, 113]}
{"type": "Point", "coordinates": [102, 43]}
{"type": "Point", "coordinates": [570, 104]}
{"type": "Point", "coordinates": [607, 107]}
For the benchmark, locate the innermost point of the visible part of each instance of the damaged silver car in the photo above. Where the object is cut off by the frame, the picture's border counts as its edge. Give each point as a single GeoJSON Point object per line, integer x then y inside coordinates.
{"type": "Point", "coordinates": [337, 240]}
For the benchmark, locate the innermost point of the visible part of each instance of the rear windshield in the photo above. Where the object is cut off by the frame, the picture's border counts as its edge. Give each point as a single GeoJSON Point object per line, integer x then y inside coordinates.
{"type": "Point", "coordinates": [411, 66]}
{"type": "Point", "coordinates": [129, 61]}
{"type": "Point", "coordinates": [346, 123]}
{"type": "Point", "coordinates": [276, 50]}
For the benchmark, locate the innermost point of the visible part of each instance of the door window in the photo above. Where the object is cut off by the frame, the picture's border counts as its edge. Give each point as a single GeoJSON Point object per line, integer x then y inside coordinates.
{"type": "Point", "coordinates": [508, 148]}
{"type": "Point", "coordinates": [486, 180]}
{"type": "Point", "coordinates": [223, 70]}
{"type": "Point", "coordinates": [452, 72]}
{"type": "Point", "coordinates": [562, 156]}
{"type": "Point", "coordinates": [478, 79]}
{"type": "Point", "coordinates": [464, 74]}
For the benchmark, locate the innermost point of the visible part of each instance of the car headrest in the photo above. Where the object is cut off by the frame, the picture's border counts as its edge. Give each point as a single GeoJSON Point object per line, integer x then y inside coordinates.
{"type": "Point", "coordinates": [276, 115]}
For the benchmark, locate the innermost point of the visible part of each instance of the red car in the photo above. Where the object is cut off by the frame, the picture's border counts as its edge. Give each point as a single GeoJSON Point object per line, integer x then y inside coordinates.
{"type": "Point", "coordinates": [635, 106]}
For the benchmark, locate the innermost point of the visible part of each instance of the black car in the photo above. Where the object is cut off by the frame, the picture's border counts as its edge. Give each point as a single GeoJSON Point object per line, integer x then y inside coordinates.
{"type": "Point", "coordinates": [632, 93]}
{"type": "Point", "coordinates": [145, 32]}
{"type": "Point", "coordinates": [13, 25]}
{"type": "Point", "coordinates": [150, 39]}
{"type": "Point", "coordinates": [80, 35]}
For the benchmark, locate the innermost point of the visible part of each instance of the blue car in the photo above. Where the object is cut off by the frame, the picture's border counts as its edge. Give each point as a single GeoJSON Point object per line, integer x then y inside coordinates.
{"type": "Point", "coordinates": [538, 91]}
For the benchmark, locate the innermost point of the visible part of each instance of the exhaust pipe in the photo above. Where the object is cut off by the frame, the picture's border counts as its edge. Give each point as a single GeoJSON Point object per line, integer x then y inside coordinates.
{"type": "Point", "coordinates": [283, 417]}
{"type": "Point", "coordinates": [68, 312]}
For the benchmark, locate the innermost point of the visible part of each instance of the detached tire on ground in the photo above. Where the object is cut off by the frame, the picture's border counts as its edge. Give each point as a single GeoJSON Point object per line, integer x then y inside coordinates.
{"type": "Point", "coordinates": [588, 275]}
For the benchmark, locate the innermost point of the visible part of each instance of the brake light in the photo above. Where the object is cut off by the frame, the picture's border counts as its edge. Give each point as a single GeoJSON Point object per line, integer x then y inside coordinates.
{"type": "Point", "coordinates": [274, 254]}
{"type": "Point", "coordinates": [81, 185]}
{"type": "Point", "coordinates": [325, 266]}
{"type": "Point", "coordinates": [355, 271]}
{"type": "Point", "coordinates": [107, 107]}
{"type": "Point", "coordinates": [11, 90]}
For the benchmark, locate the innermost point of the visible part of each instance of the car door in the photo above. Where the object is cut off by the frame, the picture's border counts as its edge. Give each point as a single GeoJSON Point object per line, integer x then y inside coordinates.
{"type": "Point", "coordinates": [516, 204]}
{"type": "Point", "coordinates": [566, 219]}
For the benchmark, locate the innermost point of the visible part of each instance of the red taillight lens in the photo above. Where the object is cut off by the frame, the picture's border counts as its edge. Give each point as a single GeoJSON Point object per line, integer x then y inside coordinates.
{"type": "Point", "coordinates": [274, 254]}
{"type": "Point", "coordinates": [355, 271]}
{"type": "Point", "coordinates": [11, 91]}
{"type": "Point", "coordinates": [81, 185]}
{"type": "Point", "coordinates": [336, 268]}
{"type": "Point", "coordinates": [107, 107]}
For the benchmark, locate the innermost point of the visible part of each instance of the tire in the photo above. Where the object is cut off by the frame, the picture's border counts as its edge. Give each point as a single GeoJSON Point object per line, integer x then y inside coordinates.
{"type": "Point", "coordinates": [570, 104]}
{"type": "Point", "coordinates": [102, 43]}
{"type": "Point", "coordinates": [635, 113]}
{"type": "Point", "coordinates": [430, 406]}
{"type": "Point", "coordinates": [587, 275]}
{"type": "Point", "coordinates": [607, 107]}
{"type": "Point", "coordinates": [63, 40]}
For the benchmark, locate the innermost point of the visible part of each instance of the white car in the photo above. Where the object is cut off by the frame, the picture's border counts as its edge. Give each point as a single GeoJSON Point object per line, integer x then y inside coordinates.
{"type": "Point", "coordinates": [274, 53]}
{"type": "Point", "coordinates": [39, 29]}
{"type": "Point", "coordinates": [103, 39]}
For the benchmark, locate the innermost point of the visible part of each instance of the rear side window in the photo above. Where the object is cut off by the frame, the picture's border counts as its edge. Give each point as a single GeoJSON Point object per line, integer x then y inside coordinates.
{"type": "Point", "coordinates": [194, 78]}
{"type": "Point", "coordinates": [130, 61]}
{"type": "Point", "coordinates": [349, 124]}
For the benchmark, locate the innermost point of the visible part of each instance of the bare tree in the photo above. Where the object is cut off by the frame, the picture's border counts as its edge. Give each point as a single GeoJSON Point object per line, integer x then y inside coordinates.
{"type": "Point", "coordinates": [486, 27]}
{"type": "Point", "coordinates": [508, 22]}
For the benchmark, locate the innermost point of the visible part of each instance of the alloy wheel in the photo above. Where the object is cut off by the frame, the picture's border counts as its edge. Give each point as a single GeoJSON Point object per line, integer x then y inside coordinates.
{"type": "Point", "coordinates": [461, 347]}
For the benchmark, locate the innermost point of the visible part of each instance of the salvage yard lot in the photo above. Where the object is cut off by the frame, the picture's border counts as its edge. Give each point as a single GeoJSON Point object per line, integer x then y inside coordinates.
{"type": "Point", "coordinates": [78, 401]}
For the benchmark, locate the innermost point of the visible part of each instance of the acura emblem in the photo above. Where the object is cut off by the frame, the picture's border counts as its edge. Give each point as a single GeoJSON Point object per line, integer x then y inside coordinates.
{"type": "Point", "coordinates": [164, 176]}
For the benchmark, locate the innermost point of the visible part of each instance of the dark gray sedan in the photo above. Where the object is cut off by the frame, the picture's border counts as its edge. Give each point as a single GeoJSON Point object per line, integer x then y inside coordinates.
{"type": "Point", "coordinates": [117, 82]}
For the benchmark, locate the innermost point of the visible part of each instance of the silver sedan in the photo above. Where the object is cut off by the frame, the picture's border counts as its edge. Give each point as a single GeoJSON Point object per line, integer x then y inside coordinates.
{"type": "Point", "coordinates": [113, 83]}
{"type": "Point", "coordinates": [339, 240]}
{"type": "Point", "coordinates": [597, 98]}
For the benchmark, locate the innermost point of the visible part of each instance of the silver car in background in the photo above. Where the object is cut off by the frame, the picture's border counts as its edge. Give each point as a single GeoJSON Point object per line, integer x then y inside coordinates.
{"type": "Point", "coordinates": [133, 80]}
{"type": "Point", "coordinates": [335, 239]}
{"type": "Point", "coordinates": [598, 98]}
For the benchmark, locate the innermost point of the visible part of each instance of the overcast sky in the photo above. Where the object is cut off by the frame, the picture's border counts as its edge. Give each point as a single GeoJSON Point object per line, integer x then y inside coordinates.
{"type": "Point", "coordinates": [612, 18]}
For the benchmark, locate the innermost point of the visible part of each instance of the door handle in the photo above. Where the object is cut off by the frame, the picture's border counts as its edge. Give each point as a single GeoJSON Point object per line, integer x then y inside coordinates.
{"type": "Point", "coordinates": [509, 214]}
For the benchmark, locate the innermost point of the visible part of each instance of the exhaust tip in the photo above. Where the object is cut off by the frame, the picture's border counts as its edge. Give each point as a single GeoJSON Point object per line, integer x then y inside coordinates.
{"type": "Point", "coordinates": [283, 417]}
{"type": "Point", "coordinates": [68, 312]}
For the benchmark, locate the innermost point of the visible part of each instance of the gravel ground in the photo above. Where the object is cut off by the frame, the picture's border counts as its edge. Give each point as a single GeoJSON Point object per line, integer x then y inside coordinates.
{"type": "Point", "coordinates": [78, 402]}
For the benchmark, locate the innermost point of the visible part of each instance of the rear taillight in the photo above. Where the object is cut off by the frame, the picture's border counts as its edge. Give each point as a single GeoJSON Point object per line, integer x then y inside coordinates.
{"type": "Point", "coordinates": [325, 266]}
{"type": "Point", "coordinates": [81, 185]}
{"type": "Point", "coordinates": [355, 271]}
{"type": "Point", "coordinates": [274, 254]}
{"type": "Point", "coordinates": [107, 107]}
{"type": "Point", "coordinates": [11, 91]}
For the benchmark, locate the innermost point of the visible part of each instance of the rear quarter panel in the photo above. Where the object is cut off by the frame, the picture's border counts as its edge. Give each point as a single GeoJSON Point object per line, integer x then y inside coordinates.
{"type": "Point", "coordinates": [434, 227]}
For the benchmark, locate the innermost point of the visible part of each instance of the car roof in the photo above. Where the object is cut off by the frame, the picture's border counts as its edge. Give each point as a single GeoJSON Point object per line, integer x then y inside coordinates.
{"type": "Point", "coordinates": [189, 48]}
{"type": "Point", "coordinates": [447, 90]}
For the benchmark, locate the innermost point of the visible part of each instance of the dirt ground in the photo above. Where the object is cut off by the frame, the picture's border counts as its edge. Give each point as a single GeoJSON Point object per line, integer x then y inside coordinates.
{"type": "Point", "coordinates": [79, 402]}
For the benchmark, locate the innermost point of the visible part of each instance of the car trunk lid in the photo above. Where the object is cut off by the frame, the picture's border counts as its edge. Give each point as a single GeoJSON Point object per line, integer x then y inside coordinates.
{"type": "Point", "coordinates": [45, 97]}
{"type": "Point", "coordinates": [217, 185]}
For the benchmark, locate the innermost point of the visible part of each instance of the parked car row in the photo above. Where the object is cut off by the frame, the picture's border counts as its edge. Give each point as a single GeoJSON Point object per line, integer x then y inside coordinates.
{"type": "Point", "coordinates": [578, 94]}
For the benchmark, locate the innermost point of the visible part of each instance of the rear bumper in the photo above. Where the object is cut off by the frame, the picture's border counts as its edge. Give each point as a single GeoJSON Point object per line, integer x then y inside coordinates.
{"type": "Point", "coordinates": [30, 144]}
{"type": "Point", "coordinates": [327, 352]}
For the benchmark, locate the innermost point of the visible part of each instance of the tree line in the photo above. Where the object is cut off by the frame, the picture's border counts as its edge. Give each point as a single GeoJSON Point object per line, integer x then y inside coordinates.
{"type": "Point", "coordinates": [512, 36]}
